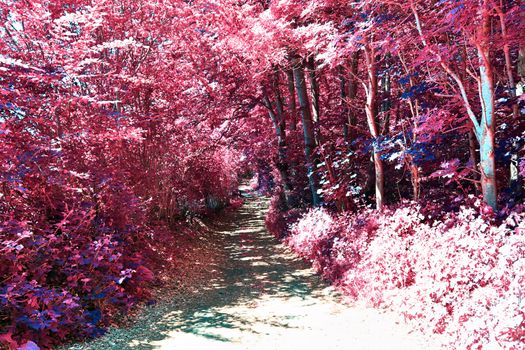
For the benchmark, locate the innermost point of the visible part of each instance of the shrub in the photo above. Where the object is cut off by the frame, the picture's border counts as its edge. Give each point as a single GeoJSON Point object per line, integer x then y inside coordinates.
{"type": "Point", "coordinates": [82, 228]}
{"type": "Point", "coordinates": [278, 219]}
{"type": "Point", "coordinates": [461, 275]}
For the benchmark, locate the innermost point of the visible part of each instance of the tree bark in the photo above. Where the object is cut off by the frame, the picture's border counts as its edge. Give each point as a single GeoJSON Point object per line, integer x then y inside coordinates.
{"type": "Point", "coordinates": [521, 53]}
{"type": "Point", "coordinates": [314, 90]}
{"type": "Point", "coordinates": [291, 100]}
{"type": "Point", "coordinates": [349, 93]}
{"type": "Point", "coordinates": [371, 115]}
{"type": "Point", "coordinates": [414, 178]}
{"type": "Point", "coordinates": [414, 111]}
{"type": "Point", "coordinates": [386, 103]}
{"type": "Point", "coordinates": [487, 125]}
{"type": "Point", "coordinates": [473, 155]}
{"type": "Point", "coordinates": [488, 167]}
{"type": "Point", "coordinates": [308, 128]}
{"type": "Point", "coordinates": [521, 63]}
{"type": "Point", "coordinates": [280, 132]}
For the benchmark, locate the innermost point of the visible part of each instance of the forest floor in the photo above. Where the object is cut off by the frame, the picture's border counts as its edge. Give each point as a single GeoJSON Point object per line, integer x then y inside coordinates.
{"type": "Point", "coordinates": [240, 288]}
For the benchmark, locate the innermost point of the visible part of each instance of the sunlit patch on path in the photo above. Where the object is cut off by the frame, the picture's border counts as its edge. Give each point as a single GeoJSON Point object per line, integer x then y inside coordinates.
{"type": "Point", "coordinates": [261, 297]}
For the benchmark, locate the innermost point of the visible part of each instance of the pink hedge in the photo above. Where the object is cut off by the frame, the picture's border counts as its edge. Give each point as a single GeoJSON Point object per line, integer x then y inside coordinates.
{"type": "Point", "coordinates": [461, 274]}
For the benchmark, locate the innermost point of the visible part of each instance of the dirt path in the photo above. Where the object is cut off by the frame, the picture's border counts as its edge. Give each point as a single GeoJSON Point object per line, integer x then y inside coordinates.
{"type": "Point", "coordinates": [258, 295]}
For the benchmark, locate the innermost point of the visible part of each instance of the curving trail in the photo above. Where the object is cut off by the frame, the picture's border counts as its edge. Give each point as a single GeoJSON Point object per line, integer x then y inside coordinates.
{"type": "Point", "coordinates": [258, 295]}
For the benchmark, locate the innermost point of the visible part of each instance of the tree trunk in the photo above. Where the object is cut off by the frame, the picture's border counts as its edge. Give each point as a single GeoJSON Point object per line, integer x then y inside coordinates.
{"type": "Point", "coordinates": [414, 178]}
{"type": "Point", "coordinates": [314, 89]}
{"type": "Point", "coordinates": [291, 100]}
{"type": "Point", "coordinates": [280, 132]}
{"type": "Point", "coordinates": [292, 111]}
{"type": "Point", "coordinates": [386, 103]}
{"type": "Point", "coordinates": [371, 115]}
{"type": "Point", "coordinates": [488, 167]}
{"type": "Point", "coordinates": [369, 188]}
{"type": "Point", "coordinates": [473, 155]}
{"type": "Point", "coordinates": [521, 63]}
{"type": "Point", "coordinates": [349, 93]}
{"type": "Point", "coordinates": [487, 125]}
{"type": "Point", "coordinates": [380, 180]}
{"type": "Point", "coordinates": [521, 53]}
{"type": "Point", "coordinates": [308, 128]}
{"type": "Point", "coordinates": [344, 103]}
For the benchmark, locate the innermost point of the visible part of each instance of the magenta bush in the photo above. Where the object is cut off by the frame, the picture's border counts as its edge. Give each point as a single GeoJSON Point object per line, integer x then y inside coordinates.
{"type": "Point", "coordinates": [461, 276]}
{"type": "Point", "coordinates": [278, 219]}
{"type": "Point", "coordinates": [82, 231]}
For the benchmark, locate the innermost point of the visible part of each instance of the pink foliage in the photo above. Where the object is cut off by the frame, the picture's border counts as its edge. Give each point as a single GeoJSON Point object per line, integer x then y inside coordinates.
{"type": "Point", "coordinates": [98, 163]}
{"type": "Point", "coordinates": [119, 119]}
{"type": "Point", "coordinates": [461, 276]}
{"type": "Point", "coordinates": [278, 220]}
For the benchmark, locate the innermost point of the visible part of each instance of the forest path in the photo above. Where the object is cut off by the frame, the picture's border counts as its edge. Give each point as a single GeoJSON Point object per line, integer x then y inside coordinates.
{"type": "Point", "coordinates": [258, 295]}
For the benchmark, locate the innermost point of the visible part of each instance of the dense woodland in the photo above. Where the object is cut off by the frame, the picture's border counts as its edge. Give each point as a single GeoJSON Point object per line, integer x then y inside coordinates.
{"type": "Point", "coordinates": [390, 134]}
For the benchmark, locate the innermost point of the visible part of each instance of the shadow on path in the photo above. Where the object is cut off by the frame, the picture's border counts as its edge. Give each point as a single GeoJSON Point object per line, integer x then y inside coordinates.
{"type": "Point", "coordinates": [255, 267]}
{"type": "Point", "coordinates": [258, 295]}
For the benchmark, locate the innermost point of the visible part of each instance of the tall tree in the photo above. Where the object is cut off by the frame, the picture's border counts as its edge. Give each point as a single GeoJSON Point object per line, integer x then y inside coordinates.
{"type": "Point", "coordinates": [308, 128]}
{"type": "Point", "coordinates": [371, 108]}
